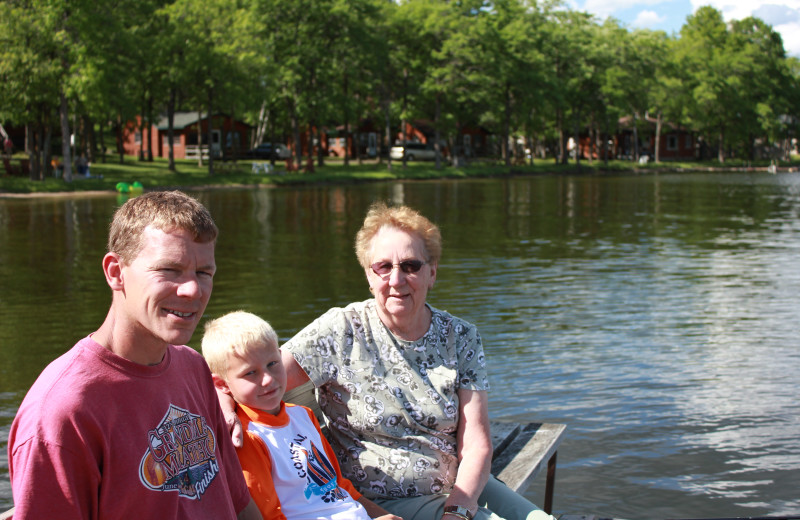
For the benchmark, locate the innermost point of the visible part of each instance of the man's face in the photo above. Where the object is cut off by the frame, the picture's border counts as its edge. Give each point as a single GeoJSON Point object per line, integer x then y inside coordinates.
{"type": "Point", "coordinates": [167, 286]}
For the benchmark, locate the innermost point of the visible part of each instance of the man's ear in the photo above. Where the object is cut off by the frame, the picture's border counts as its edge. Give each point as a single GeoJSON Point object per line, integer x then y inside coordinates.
{"type": "Point", "coordinates": [112, 268]}
{"type": "Point", "coordinates": [220, 384]}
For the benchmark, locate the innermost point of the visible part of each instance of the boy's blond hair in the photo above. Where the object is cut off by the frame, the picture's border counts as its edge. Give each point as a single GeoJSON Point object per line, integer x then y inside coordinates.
{"type": "Point", "coordinates": [237, 332]}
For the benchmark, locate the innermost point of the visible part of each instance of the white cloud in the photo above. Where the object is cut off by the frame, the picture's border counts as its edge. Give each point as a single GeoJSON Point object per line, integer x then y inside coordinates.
{"type": "Point", "coordinates": [648, 20]}
{"type": "Point", "coordinates": [790, 34]}
{"type": "Point", "coordinates": [784, 17]}
{"type": "Point", "coordinates": [777, 14]}
{"type": "Point", "coordinates": [605, 8]}
{"type": "Point", "coordinates": [738, 9]}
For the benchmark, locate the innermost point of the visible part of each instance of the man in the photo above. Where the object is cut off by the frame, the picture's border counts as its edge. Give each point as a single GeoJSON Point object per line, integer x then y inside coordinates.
{"type": "Point", "coordinates": [127, 424]}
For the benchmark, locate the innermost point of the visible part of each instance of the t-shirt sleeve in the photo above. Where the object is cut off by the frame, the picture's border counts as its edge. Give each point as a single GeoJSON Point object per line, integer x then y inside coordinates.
{"type": "Point", "coordinates": [52, 482]}
{"type": "Point", "coordinates": [257, 469]}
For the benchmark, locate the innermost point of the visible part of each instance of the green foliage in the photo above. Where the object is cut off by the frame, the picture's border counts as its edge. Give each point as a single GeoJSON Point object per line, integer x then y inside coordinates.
{"type": "Point", "coordinates": [519, 68]}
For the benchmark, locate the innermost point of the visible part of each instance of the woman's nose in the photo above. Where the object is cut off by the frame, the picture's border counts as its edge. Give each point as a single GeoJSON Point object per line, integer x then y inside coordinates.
{"type": "Point", "coordinates": [397, 276]}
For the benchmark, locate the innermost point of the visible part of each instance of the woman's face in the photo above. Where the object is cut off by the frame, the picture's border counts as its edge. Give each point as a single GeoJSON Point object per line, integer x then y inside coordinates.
{"type": "Point", "coordinates": [400, 293]}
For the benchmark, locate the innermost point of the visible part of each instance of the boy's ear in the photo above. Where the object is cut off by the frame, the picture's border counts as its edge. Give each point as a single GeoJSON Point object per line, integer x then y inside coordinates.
{"type": "Point", "coordinates": [220, 384]}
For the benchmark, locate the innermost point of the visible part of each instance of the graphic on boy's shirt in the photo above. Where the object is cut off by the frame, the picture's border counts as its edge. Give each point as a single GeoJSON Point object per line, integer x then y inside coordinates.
{"type": "Point", "coordinates": [180, 455]}
{"type": "Point", "coordinates": [319, 472]}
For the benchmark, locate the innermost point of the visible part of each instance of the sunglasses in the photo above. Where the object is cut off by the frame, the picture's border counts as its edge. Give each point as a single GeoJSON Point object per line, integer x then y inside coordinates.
{"type": "Point", "coordinates": [383, 269]}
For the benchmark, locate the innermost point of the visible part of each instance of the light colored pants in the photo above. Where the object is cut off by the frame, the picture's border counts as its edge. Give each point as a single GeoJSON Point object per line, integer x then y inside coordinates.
{"type": "Point", "coordinates": [497, 502]}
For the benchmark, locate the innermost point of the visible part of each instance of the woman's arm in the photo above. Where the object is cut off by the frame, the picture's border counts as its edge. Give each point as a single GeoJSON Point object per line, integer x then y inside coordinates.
{"type": "Point", "coordinates": [295, 375]}
{"type": "Point", "coordinates": [375, 511]}
{"type": "Point", "coordinates": [474, 450]}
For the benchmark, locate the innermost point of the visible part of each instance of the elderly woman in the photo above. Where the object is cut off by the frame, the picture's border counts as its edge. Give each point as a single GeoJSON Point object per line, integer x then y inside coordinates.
{"type": "Point", "coordinates": [403, 385]}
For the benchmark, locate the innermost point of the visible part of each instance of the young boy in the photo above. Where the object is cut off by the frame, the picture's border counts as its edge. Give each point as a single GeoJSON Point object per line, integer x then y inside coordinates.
{"type": "Point", "coordinates": [289, 466]}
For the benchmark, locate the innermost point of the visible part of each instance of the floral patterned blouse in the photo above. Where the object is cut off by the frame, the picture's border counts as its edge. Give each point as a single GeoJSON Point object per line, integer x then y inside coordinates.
{"type": "Point", "coordinates": [391, 406]}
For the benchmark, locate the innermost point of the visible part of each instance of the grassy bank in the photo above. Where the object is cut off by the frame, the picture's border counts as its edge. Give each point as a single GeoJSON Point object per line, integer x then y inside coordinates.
{"type": "Point", "coordinates": [152, 175]}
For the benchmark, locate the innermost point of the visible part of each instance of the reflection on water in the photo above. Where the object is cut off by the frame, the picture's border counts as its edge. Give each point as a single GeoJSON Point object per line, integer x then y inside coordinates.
{"type": "Point", "coordinates": [655, 316]}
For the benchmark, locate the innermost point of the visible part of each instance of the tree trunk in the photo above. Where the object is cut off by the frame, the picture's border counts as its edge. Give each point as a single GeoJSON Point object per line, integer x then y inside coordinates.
{"type": "Point", "coordinates": [345, 88]}
{"type": "Point", "coordinates": [388, 122]}
{"type": "Point", "coordinates": [404, 122]}
{"type": "Point", "coordinates": [507, 125]}
{"type": "Point", "coordinates": [210, 131]}
{"type": "Point", "coordinates": [142, 127]}
{"type": "Point", "coordinates": [149, 128]}
{"type": "Point", "coordinates": [605, 142]}
{"type": "Point", "coordinates": [171, 129]}
{"type": "Point", "coordinates": [65, 136]}
{"type": "Point", "coordinates": [635, 138]}
{"type": "Point", "coordinates": [261, 128]}
{"type": "Point", "coordinates": [659, 121]}
{"type": "Point", "coordinates": [102, 139]}
{"type": "Point", "coordinates": [577, 138]}
{"type": "Point", "coordinates": [562, 156]}
{"type": "Point", "coordinates": [120, 149]}
{"type": "Point", "coordinates": [436, 146]}
{"type": "Point", "coordinates": [298, 150]}
{"type": "Point", "coordinates": [43, 158]}
{"type": "Point", "coordinates": [200, 136]}
{"type": "Point", "coordinates": [92, 152]}
{"type": "Point", "coordinates": [532, 148]}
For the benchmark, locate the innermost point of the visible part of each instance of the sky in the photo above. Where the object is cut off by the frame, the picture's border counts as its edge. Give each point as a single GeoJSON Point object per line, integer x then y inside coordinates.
{"type": "Point", "coordinates": [670, 15]}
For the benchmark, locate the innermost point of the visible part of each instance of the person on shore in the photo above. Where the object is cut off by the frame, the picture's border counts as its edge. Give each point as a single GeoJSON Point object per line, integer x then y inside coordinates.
{"type": "Point", "coordinates": [127, 424]}
{"type": "Point", "coordinates": [289, 466]}
{"type": "Point", "coordinates": [403, 385]}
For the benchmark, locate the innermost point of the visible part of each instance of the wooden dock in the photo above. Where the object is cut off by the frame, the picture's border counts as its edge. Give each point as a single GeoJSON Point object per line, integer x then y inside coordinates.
{"type": "Point", "coordinates": [521, 451]}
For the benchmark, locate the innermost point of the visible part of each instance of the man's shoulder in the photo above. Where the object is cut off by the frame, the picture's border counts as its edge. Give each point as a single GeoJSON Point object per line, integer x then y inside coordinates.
{"type": "Point", "coordinates": [58, 396]}
{"type": "Point", "coordinates": [67, 370]}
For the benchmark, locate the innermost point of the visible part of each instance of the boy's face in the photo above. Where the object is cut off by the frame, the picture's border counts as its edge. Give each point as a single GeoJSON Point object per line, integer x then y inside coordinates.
{"type": "Point", "coordinates": [256, 380]}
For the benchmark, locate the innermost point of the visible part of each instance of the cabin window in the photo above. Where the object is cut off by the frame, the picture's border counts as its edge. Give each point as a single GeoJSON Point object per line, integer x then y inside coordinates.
{"type": "Point", "coordinates": [672, 143]}
{"type": "Point", "coordinates": [137, 137]}
{"type": "Point", "coordinates": [689, 142]}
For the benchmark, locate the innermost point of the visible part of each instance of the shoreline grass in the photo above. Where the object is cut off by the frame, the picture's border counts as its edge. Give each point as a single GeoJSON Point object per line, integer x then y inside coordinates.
{"type": "Point", "coordinates": [156, 175]}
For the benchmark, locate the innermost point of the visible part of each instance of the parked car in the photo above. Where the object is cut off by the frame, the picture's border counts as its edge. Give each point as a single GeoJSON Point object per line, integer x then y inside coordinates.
{"type": "Point", "coordinates": [277, 151]}
{"type": "Point", "coordinates": [413, 151]}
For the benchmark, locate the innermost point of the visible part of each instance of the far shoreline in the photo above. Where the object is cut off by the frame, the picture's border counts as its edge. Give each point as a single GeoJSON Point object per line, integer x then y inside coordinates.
{"type": "Point", "coordinates": [226, 182]}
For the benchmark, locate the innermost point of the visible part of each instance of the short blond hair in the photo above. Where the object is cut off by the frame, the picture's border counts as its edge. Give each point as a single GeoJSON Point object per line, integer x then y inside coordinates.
{"type": "Point", "coordinates": [399, 217]}
{"type": "Point", "coordinates": [163, 210]}
{"type": "Point", "coordinates": [238, 333]}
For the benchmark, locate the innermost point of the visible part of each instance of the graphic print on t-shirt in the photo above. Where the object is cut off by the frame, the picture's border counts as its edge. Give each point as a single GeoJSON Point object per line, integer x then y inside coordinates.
{"type": "Point", "coordinates": [320, 473]}
{"type": "Point", "coordinates": [180, 455]}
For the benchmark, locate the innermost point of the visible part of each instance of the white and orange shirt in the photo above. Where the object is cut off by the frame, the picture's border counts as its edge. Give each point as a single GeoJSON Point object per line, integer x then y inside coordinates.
{"type": "Point", "coordinates": [290, 468]}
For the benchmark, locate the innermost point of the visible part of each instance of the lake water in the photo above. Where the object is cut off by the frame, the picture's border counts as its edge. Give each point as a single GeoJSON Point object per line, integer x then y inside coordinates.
{"type": "Point", "coordinates": [657, 316]}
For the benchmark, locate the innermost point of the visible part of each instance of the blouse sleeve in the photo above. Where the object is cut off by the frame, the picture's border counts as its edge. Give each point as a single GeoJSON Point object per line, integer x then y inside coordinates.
{"type": "Point", "coordinates": [320, 346]}
{"type": "Point", "coordinates": [472, 371]}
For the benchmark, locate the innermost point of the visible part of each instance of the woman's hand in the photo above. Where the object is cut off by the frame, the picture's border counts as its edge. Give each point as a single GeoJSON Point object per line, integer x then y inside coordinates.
{"type": "Point", "coordinates": [375, 511]}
